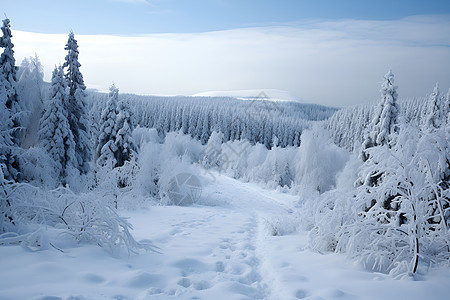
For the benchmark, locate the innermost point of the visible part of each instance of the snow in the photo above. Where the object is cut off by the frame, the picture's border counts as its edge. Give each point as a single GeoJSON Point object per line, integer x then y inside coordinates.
{"type": "Point", "coordinates": [297, 228]}
{"type": "Point", "coordinates": [239, 242]}
{"type": "Point", "coordinates": [262, 94]}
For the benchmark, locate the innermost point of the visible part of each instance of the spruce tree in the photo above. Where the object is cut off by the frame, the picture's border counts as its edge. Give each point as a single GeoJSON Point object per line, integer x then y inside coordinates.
{"type": "Point", "coordinates": [76, 105]}
{"type": "Point", "coordinates": [385, 122]}
{"type": "Point", "coordinates": [55, 135]}
{"type": "Point", "coordinates": [115, 144]}
{"type": "Point", "coordinates": [124, 142]}
{"type": "Point", "coordinates": [10, 109]}
{"type": "Point", "coordinates": [107, 134]}
{"type": "Point", "coordinates": [447, 107]}
{"type": "Point", "coordinates": [435, 111]}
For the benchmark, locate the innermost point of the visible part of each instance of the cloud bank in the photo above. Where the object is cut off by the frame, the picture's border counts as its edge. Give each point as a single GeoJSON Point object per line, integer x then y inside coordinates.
{"type": "Point", "coordinates": [335, 63]}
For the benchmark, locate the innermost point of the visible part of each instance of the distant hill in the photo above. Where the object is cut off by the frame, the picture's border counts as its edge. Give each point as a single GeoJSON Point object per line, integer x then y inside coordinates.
{"type": "Point", "coordinates": [262, 94]}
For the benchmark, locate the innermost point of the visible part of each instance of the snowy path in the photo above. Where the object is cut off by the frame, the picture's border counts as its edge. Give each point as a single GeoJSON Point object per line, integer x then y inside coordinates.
{"type": "Point", "coordinates": [210, 252]}
{"type": "Point", "coordinates": [223, 250]}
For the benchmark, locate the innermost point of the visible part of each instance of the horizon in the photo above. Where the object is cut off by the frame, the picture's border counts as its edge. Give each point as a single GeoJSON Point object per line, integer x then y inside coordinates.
{"type": "Point", "coordinates": [333, 55]}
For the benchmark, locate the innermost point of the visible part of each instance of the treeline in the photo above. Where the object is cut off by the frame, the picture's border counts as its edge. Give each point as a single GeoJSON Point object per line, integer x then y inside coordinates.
{"type": "Point", "coordinates": [258, 121]}
{"type": "Point", "coordinates": [347, 126]}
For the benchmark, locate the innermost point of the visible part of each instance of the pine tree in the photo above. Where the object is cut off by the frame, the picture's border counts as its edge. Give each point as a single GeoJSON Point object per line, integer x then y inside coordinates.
{"type": "Point", "coordinates": [435, 111]}
{"type": "Point", "coordinates": [10, 108]}
{"type": "Point", "coordinates": [55, 135]}
{"type": "Point", "coordinates": [124, 140]}
{"type": "Point", "coordinates": [107, 134]}
{"type": "Point", "coordinates": [205, 129]}
{"type": "Point", "coordinates": [385, 122]}
{"type": "Point", "coordinates": [115, 144]}
{"type": "Point", "coordinates": [447, 107]}
{"type": "Point", "coordinates": [76, 105]}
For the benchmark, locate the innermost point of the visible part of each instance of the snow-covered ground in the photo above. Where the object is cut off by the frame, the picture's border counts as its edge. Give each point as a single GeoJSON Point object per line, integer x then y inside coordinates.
{"type": "Point", "coordinates": [240, 243]}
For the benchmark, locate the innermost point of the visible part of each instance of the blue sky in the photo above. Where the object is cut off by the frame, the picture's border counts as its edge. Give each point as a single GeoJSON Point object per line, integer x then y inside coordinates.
{"type": "Point", "coordinates": [181, 16]}
{"type": "Point", "coordinates": [332, 52]}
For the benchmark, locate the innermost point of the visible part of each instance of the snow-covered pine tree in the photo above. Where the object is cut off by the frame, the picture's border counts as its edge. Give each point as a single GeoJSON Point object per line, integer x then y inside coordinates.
{"type": "Point", "coordinates": [385, 122]}
{"type": "Point", "coordinates": [55, 135]}
{"type": "Point", "coordinates": [10, 108]}
{"type": "Point", "coordinates": [76, 105]}
{"type": "Point", "coordinates": [447, 107]}
{"type": "Point", "coordinates": [124, 140]}
{"type": "Point", "coordinates": [435, 111]}
{"type": "Point", "coordinates": [107, 133]}
{"type": "Point", "coordinates": [206, 130]}
{"type": "Point", "coordinates": [185, 120]}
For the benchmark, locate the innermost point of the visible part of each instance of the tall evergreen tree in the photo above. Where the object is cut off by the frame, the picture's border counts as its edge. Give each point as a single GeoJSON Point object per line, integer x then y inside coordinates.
{"type": "Point", "coordinates": [435, 111]}
{"type": "Point", "coordinates": [124, 140]}
{"type": "Point", "coordinates": [115, 144]}
{"type": "Point", "coordinates": [55, 135]}
{"type": "Point", "coordinates": [10, 108]}
{"type": "Point", "coordinates": [447, 106]}
{"type": "Point", "coordinates": [385, 121]}
{"type": "Point", "coordinates": [76, 105]}
{"type": "Point", "coordinates": [107, 134]}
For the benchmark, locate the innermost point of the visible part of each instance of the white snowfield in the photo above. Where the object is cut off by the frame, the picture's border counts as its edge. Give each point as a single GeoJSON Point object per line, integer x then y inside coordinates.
{"type": "Point", "coordinates": [239, 243]}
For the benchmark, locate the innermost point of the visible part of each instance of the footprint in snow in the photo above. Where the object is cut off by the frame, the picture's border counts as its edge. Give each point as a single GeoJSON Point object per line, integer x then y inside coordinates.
{"type": "Point", "coordinates": [220, 266]}
{"type": "Point", "coordinates": [202, 285]}
{"type": "Point", "coordinates": [300, 294]}
{"type": "Point", "coordinates": [184, 282]}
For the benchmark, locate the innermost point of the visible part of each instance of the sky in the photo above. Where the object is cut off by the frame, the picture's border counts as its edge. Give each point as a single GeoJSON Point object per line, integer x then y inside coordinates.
{"type": "Point", "coordinates": [325, 51]}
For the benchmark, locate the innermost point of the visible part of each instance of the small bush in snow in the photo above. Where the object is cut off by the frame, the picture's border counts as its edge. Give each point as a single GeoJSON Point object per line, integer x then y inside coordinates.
{"type": "Point", "coordinates": [82, 217]}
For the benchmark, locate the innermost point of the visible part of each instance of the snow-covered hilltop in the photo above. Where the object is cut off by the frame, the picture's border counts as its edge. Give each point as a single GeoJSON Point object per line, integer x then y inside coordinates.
{"type": "Point", "coordinates": [258, 94]}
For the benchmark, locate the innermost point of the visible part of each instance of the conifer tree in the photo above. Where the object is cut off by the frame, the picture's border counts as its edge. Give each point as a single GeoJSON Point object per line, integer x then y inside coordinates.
{"type": "Point", "coordinates": [10, 109]}
{"type": "Point", "coordinates": [447, 107]}
{"type": "Point", "coordinates": [385, 121]}
{"type": "Point", "coordinates": [124, 142]}
{"type": "Point", "coordinates": [76, 105]}
{"type": "Point", "coordinates": [435, 111]}
{"type": "Point", "coordinates": [107, 134]}
{"type": "Point", "coordinates": [115, 144]}
{"type": "Point", "coordinates": [55, 135]}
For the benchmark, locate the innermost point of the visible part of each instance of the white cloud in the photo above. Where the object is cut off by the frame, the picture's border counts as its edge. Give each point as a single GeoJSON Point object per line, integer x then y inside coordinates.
{"type": "Point", "coordinates": [335, 63]}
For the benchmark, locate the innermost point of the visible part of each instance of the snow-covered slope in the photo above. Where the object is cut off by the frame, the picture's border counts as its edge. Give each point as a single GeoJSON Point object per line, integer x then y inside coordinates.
{"type": "Point", "coordinates": [262, 94]}
{"type": "Point", "coordinates": [240, 244]}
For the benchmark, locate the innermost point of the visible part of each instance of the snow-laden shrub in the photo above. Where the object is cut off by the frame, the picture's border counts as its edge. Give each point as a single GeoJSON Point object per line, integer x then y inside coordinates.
{"type": "Point", "coordinates": [177, 144]}
{"type": "Point", "coordinates": [346, 178]}
{"type": "Point", "coordinates": [38, 168]}
{"type": "Point", "coordinates": [83, 218]}
{"type": "Point", "coordinates": [280, 225]}
{"type": "Point", "coordinates": [160, 161]}
{"type": "Point", "coordinates": [179, 184]}
{"type": "Point", "coordinates": [400, 225]}
{"type": "Point", "coordinates": [322, 216]}
{"type": "Point", "coordinates": [275, 170]}
{"type": "Point", "coordinates": [255, 163]}
{"type": "Point", "coordinates": [318, 161]}
{"type": "Point", "coordinates": [212, 151]}
{"type": "Point", "coordinates": [142, 136]}
{"type": "Point", "coordinates": [147, 177]}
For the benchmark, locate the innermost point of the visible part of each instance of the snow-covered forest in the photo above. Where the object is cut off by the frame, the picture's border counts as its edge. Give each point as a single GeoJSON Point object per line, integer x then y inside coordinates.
{"type": "Point", "coordinates": [369, 183]}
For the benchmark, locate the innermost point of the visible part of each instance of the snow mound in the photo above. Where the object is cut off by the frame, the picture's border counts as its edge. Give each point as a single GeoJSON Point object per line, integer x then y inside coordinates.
{"type": "Point", "coordinates": [262, 94]}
